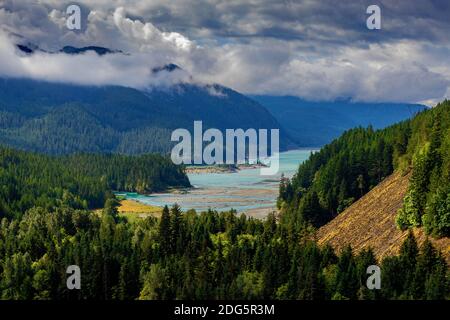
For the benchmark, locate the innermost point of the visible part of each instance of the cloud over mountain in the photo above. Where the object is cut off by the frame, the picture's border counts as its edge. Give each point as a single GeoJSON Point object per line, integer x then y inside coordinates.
{"type": "Point", "coordinates": [315, 50]}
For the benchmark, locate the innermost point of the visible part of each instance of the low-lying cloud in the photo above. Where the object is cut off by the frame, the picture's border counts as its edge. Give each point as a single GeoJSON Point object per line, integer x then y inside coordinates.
{"type": "Point", "coordinates": [88, 68]}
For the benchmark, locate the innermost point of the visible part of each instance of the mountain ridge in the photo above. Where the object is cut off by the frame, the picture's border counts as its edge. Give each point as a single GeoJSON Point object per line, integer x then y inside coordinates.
{"type": "Point", "coordinates": [39, 115]}
{"type": "Point", "coordinates": [316, 123]}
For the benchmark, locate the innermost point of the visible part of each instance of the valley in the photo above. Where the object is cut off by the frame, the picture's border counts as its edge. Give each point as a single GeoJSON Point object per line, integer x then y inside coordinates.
{"type": "Point", "coordinates": [208, 153]}
{"type": "Point", "coordinates": [245, 190]}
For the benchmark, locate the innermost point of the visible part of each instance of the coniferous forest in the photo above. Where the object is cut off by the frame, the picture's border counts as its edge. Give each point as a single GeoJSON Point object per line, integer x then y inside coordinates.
{"type": "Point", "coordinates": [48, 222]}
{"type": "Point", "coordinates": [213, 159]}
{"type": "Point", "coordinates": [81, 181]}
{"type": "Point", "coordinates": [196, 256]}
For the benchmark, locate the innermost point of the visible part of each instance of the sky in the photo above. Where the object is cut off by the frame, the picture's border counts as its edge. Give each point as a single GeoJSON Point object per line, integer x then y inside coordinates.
{"type": "Point", "coordinates": [316, 50]}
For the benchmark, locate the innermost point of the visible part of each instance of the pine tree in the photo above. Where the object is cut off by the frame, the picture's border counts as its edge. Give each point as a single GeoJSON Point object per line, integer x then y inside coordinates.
{"type": "Point", "coordinates": [176, 229]}
{"type": "Point", "coordinates": [347, 282]}
{"type": "Point", "coordinates": [365, 259]}
{"type": "Point", "coordinates": [408, 257]}
{"type": "Point", "coordinates": [165, 231]}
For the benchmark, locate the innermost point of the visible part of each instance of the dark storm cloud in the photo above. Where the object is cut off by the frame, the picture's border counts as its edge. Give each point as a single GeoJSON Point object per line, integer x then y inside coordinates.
{"type": "Point", "coordinates": [330, 20]}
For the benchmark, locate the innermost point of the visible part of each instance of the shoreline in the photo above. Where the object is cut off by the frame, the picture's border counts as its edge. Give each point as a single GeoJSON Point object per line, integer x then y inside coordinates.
{"type": "Point", "coordinates": [222, 168]}
{"type": "Point", "coordinates": [242, 189]}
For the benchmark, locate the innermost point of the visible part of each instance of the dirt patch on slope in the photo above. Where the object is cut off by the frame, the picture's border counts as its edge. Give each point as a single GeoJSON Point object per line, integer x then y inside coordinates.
{"type": "Point", "coordinates": [370, 222]}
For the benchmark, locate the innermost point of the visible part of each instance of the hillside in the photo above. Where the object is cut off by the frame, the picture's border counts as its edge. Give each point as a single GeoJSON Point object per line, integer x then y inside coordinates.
{"type": "Point", "coordinates": [370, 222]}
{"type": "Point", "coordinates": [315, 124]}
{"type": "Point", "coordinates": [348, 168]}
{"type": "Point", "coordinates": [80, 181]}
{"type": "Point", "coordinates": [58, 118]}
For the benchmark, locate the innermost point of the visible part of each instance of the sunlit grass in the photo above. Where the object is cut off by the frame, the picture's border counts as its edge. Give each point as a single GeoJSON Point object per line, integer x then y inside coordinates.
{"type": "Point", "coordinates": [133, 210]}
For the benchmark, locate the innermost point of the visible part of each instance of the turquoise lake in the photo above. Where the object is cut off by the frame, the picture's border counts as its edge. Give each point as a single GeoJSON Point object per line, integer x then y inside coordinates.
{"type": "Point", "coordinates": [245, 190]}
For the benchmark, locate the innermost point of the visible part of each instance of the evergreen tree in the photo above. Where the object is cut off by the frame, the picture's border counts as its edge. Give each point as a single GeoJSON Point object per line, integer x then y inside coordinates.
{"type": "Point", "coordinates": [165, 235]}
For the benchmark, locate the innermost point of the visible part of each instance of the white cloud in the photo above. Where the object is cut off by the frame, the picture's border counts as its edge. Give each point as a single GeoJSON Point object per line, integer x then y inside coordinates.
{"type": "Point", "coordinates": [88, 68]}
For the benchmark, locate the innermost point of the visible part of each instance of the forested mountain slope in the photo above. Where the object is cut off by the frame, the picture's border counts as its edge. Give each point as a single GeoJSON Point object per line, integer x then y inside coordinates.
{"type": "Point", "coordinates": [349, 167]}
{"type": "Point", "coordinates": [62, 118]}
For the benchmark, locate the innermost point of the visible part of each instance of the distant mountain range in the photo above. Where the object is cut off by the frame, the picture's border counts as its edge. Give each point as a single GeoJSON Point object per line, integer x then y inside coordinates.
{"type": "Point", "coordinates": [61, 118]}
{"type": "Point", "coordinates": [314, 124]}
{"type": "Point", "coordinates": [58, 118]}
